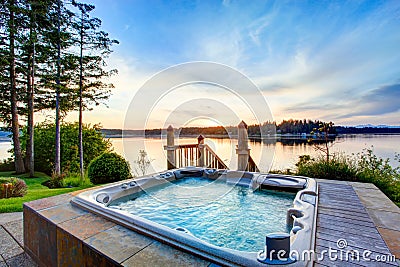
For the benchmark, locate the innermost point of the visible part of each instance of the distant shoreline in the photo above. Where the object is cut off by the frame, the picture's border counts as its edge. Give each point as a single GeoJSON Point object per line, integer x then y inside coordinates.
{"type": "Point", "coordinates": [285, 131]}
{"type": "Point", "coordinates": [4, 139]}
{"type": "Point", "coordinates": [277, 136]}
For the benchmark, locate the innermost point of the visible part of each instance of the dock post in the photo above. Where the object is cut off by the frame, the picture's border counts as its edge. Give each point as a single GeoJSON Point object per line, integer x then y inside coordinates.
{"type": "Point", "coordinates": [200, 142]}
{"type": "Point", "coordinates": [243, 150]}
{"type": "Point", "coordinates": [170, 148]}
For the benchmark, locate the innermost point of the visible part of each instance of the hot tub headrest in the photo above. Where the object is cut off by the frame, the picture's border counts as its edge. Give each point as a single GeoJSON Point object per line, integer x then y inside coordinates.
{"type": "Point", "coordinates": [189, 172]}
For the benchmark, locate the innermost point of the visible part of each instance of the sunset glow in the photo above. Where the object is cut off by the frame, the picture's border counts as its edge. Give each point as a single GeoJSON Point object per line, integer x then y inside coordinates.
{"type": "Point", "coordinates": [319, 60]}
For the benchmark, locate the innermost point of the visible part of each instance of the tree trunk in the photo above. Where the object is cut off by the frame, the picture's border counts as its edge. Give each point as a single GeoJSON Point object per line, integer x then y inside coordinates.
{"type": "Point", "coordinates": [30, 155]}
{"type": "Point", "coordinates": [29, 143]}
{"type": "Point", "coordinates": [57, 160]}
{"type": "Point", "coordinates": [18, 159]}
{"type": "Point", "coordinates": [80, 103]}
{"type": "Point", "coordinates": [326, 143]}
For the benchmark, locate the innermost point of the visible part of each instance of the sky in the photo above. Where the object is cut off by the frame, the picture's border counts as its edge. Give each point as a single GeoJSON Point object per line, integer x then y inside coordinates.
{"type": "Point", "coordinates": [330, 60]}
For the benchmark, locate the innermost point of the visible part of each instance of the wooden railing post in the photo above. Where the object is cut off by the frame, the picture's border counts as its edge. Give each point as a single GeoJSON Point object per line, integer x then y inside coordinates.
{"type": "Point", "coordinates": [170, 148]}
{"type": "Point", "coordinates": [243, 150]}
{"type": "Point", "coordinates": [200, 142]}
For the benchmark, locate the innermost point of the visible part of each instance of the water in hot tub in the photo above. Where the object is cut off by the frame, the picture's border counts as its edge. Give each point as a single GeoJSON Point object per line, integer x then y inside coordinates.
{"type": "Point", "coordinates": [218, 213]}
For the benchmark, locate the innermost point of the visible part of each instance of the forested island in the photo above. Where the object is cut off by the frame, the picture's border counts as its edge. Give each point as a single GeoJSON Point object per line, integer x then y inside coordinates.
{"type": "Point", "coordinates": [289, 127]}
{"type": "Point", "coordinates": [285, 128]}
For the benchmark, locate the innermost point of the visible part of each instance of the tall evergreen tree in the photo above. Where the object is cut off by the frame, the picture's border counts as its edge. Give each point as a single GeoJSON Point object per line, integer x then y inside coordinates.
{"type": "Point", "coordinates": [36, 21]}
{"type": "Point", "coordinates": [55, 71]}
{"type": "Point", "coordinates": [39, 67]}
{"type": "Point", "coordinates": [32, 8]}
{"type": "Point", "coordinates": [57, 160]}
{"type": "Point", "coordinates": [4, 58]}
{"type": "Point", "coordinates": [94, 45]}
{"type": "Point", "coordinates": [11, 22]}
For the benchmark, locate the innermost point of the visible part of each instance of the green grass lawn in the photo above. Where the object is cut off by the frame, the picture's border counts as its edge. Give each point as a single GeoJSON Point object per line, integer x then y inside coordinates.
{"type": "Point", "coordinates": [35, 191]}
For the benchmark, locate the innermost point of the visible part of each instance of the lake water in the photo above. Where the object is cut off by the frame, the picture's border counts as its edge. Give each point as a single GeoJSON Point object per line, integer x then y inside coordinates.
{"type": "Point", "coordinates": [269, 154]}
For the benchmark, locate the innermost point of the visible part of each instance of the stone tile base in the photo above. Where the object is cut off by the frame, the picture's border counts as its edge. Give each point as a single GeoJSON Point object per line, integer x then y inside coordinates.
{"type": "Point", "coordinates": [59, 234]}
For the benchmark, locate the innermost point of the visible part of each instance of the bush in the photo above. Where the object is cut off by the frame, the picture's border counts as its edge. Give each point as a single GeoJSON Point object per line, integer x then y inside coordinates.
{"type": "Point", "coordinates": [12, 187]}
{"type": "Point", "coordinates": [56, 181]}
{"type": "Point", "coordinates": [94, 144]}
{"type": "Point", "coordinates": [70, 180]}
{"type": "Point", "coordinates": [75, 180]}
{"type": "Point", "coordinates": [372, 169]}
{"type": "Point", "coordinates": [107, 168]}
{"type": "Point", "coordinates": [338, 167]}
{"type": "Point", "coordinates": [362, 167]}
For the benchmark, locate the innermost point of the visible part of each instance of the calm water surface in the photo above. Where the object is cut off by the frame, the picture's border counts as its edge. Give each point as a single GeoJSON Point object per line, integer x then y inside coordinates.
{"type": "Point", "coordinates": [4, 147]}
{"type": "Point", "coordinates": [269, 154]}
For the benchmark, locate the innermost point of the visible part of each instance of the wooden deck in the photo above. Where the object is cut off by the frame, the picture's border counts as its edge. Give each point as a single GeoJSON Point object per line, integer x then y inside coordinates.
{"type": "Point", "coordinates": [342, 216]}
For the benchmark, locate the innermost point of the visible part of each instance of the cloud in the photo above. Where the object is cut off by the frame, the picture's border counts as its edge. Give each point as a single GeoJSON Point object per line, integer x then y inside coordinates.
{"type": "Point", "coordinates": [258, 27]}
{"type": "Point", "coordinates": [376, 102]}
{"type": "Point", "coordinates": [226, 3]}
{"type": "Point", "coordinates": [309, 59]}
{"type": "Point", "coordinates": [313, 107]}
{"type": "Point", "coordinates": [333, 54]}
{"type": "Point", "coordinates": [224, 48]}
{"type": "Point", "coordinates": [380, 101]}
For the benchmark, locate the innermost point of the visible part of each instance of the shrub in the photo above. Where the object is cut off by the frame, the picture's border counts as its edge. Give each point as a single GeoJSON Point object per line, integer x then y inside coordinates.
{"type": "Point", "coordinates": [12, 187]}
{"type": "Point", "coordinates": [70, 180]}
{"type": "Point", "coordinates": [338, 167]}
{"type": "Point", "coordinates": [107, 168]}
{"type": "Point", "coordinates": [372, 169]}
{"type": "Point", "coordinates": [94, 144]}
{"type": "Point", "coordinates": [362, 167]}
{"type": "Point", "coordinates": [56, 181]}
{"type": "Point", "coordinates": [75, 180]}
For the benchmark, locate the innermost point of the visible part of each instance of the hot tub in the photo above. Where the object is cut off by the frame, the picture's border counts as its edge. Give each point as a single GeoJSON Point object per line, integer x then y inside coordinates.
{"type": "Point", "coordinates": [221, 215]}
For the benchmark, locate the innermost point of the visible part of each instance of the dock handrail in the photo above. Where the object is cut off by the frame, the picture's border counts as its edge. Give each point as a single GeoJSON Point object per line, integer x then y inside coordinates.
{"type": "Point", "coordinates": [189, 155]}
{"type": "Point", "coordinates": [213, 161]}
{"type": "Point", "coordinates": [186, 155]}
{"type": "Point", "coordinates": [201, 155]}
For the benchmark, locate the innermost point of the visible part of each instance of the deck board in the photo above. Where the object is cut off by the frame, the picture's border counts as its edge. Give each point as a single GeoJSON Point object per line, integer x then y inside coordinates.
{"type": "Point", "coordinates": [341, 215]}
{"type": "Point", "coordinates": [341, 212]}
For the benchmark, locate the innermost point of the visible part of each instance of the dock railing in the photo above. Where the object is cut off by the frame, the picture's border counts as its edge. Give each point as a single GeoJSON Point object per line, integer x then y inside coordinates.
{"type": "Point", "coordinates": [195, 155]}
{"type": "Point", "coordinates": [202, 155]}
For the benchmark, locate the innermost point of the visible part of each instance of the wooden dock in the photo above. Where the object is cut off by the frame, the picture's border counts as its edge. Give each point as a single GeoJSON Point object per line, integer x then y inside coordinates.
{"type": "Point", "coordinates": [345, 227]}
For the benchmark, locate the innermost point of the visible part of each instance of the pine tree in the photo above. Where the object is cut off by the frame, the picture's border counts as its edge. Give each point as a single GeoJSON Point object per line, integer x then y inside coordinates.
{"type": "Point", "coordinates": [39, 67]}
{"type": "Point", "coordinates": [31, 9]}
{"type": "Point", "coordinates": [32, 54]}
{"type": "Point", "coordinates": [11, 90]}
{"type": "Point", "coordinates": [94, 46]}
{"type": "Point", "coordinates": [55, 71]}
